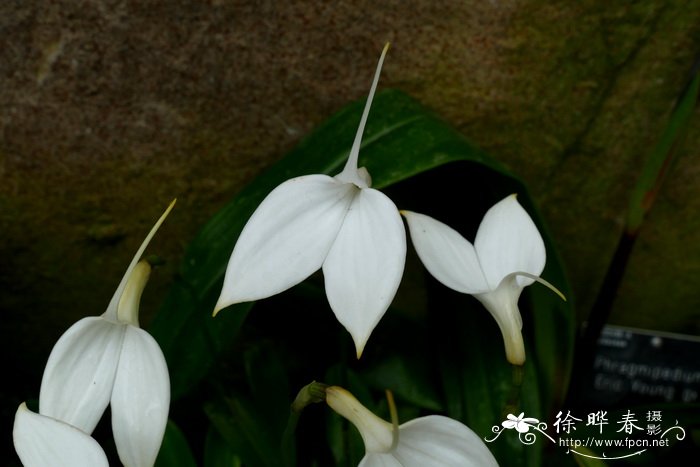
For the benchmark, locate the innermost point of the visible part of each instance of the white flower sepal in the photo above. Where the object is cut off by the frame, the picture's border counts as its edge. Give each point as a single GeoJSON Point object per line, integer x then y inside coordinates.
{"type": "Point", "coordinates": [336, 223]}
{"type": "Point", "coordinates": [41, 441]}
{"type": "Point", "coordinates": [508, 254]}
{"type": "Point", "coordinates": [434, 440]}
{"type": "Point", "coordinates": [108, 359]}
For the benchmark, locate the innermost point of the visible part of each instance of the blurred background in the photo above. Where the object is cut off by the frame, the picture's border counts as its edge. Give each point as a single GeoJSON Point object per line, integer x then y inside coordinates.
{"type": "Point", "coordinates": [110, 109]}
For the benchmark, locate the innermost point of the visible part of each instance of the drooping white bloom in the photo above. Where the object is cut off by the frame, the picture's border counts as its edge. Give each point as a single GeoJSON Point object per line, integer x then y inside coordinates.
{"type": "Point", "coordinates": [508, 254]}
{"type": "Point", "coordinates": [434, 440]}
{"type": "Point", "coordinates": [336, 223]}
{"type": "Point", "coordinates": [41, 441]}
{"type": "Point", "coordinates": [108, 359]}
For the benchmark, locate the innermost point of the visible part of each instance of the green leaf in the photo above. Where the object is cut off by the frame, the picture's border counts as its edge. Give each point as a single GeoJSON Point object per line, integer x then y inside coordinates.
{"type": "Point", "coordinates": [190, 338]}
{"type": "Point", "coordinates": [267, 378]}
{"type": "Point", "coordinates": [553, 332]}
{"type": "Point", "coordinates": [476, 378]}
{"type": "Point", "coordinates": [487, 386]}
{"type": "Point", "coordinates": [401, 139]}
{"type": "Point", "coordinates": [662, 156]}
{"type": "Point", "coordinates": [587, 458]}
{"type": "Point", "coordinates": [174, 452]}
{"type": "Point", "coordinates": [245, 432]}
{"type": "Point", "coordinates": [217, 453]}
{"type": "Point", "coordinates": [406, 380]}
{"type": "Point", "coordinates": [423, 165]}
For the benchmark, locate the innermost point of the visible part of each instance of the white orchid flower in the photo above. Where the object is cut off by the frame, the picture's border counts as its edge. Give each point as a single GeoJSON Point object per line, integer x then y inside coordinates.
{"type": "Point", "coordinates": [41, 441]}
{"type": "Point", "coordinates": [108, 359]}
{"type": "Point", "coordinates": [508, 254]}
{"type": "Point", "coordinates": [434, 440]}
{"type": "Point", "coordinates": [340, 224]}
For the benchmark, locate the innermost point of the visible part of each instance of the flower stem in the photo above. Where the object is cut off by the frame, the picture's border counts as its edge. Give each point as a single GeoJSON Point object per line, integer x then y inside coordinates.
{"type": "Point", "coordinates": [312, 393]}
{"type": "Point", "coordinates": [394, 419]}
{"type": "Point", "coordinates": [513, 401]}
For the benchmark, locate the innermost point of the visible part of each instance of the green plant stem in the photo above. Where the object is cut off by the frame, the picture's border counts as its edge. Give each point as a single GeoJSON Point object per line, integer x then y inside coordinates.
{"type": "Point", "coordinates": [642, 199]}
{"type": "Point", "coordinates": [513, 401]}
{"type": "Point", "coordinates": [312, 393]}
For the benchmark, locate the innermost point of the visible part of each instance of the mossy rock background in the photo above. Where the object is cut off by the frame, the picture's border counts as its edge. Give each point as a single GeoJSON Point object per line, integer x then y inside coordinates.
{"type": "Point", "coordinates": [108, 110]}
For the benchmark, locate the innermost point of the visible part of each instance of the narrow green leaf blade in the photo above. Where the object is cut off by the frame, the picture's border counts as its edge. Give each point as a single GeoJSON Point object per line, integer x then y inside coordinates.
{"type": "Point", "coordinates": [217, 453]}
{"type": "Point", "coordinates": [661, 157]}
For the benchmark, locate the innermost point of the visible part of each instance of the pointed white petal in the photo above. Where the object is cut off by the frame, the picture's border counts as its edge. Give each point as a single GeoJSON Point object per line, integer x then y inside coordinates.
{"type": "Point", "coordinates": [286, 239]}
{"type": "Point", "coordinates": [508, 241]}
{"type": "Point", "coordinates": [41, 441]}
{"type": "Point", "coordinates": [111, 312]}
{"type": "Point", "coordinates": [79, 375]}
{"type": "Point", "coordinates": [140, 400]}
{"type": "Point", "coordinates": [439, 441]}
{"type": "Point", "coordinates": [502, 303]}
{"type": "Point", "coordinates": [448, 256]}
{"type": "Point", "coordinates": [364, 267]}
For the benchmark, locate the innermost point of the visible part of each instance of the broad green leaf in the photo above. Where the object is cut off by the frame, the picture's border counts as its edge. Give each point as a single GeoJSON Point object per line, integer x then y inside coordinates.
{"type": "Point", "coordinates": [401, 139]}
{"type": "Point", "coordinates": [423, 165]}
{"type": "Point", "coordinates": [190, 338]}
